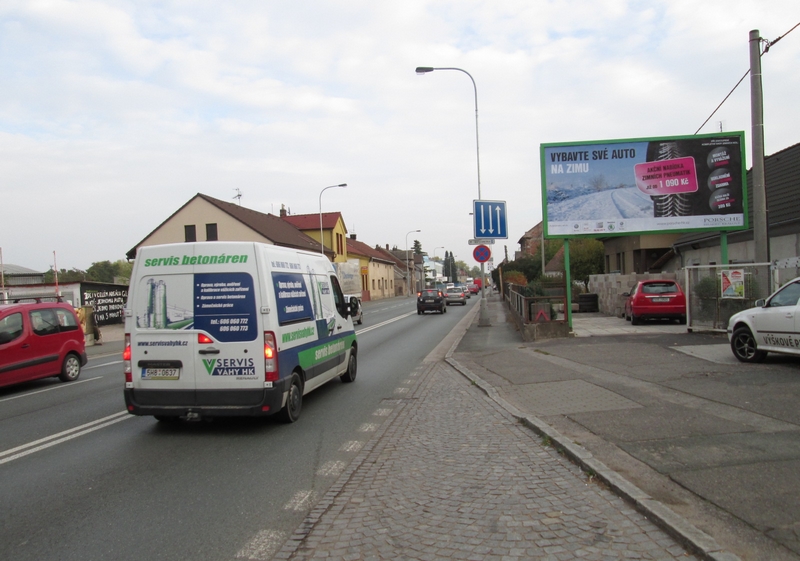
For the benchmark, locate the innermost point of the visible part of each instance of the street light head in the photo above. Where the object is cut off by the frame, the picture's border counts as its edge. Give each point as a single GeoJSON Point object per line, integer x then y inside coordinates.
{"type": "Point", "coordinates": [342, 185]}
{"type": "Point", "coordinates": [424, 69]}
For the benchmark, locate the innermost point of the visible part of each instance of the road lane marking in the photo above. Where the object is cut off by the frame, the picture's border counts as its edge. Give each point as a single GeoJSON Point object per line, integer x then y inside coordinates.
{"type": "Point", "coordinates": [63, 436]}
{"type": "Point", "coordinates": [302, 500]}
{"type": "Point", "coordinates": [58, 387]}
{"type": "Point", "coordinates": [387, 322]}
{"type": "Point", "coordinates": [368, 427]}
{"type": "Point", "coordinates": [351, 446]}
{"type": "Point", "coordinates": [331, 469]}
{"type": "Point", "coordinates": [102, 365]}
{"type": "Point", "coordinates": [263, 546]}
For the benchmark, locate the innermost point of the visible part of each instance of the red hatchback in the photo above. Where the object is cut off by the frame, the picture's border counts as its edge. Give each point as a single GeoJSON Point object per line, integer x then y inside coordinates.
{"type": "Point", "coordinates": [38, 340]}
{"type": "Point", "coordinates": [655, 299]}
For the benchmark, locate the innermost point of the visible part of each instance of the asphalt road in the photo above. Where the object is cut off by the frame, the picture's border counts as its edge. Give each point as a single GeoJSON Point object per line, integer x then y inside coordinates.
{"type": "Point", "coordinates": [83, 480]}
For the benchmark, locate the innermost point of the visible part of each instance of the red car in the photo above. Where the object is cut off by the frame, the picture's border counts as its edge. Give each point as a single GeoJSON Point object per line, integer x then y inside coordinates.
{"type": "Point", "coordinates": [38, 340]}
{"type": "Point", "coordinates": [655, 299]}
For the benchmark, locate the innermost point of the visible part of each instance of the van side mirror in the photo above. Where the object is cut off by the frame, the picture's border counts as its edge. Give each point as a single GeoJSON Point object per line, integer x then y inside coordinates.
{"type": "Point", "coordinates": [760, 303]}
{"type": "Point", "coordinates": [353, 306]}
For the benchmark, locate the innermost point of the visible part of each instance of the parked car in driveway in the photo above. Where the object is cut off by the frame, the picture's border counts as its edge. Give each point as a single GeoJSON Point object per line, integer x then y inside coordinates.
{"type": "Point", "coordinates": [655, 299]}
{"type": "Point", "coordinates": [38, 340]}
{"type": "Point", "coordinates": [455, 295]}
{"type": "Point", "coordinates": [431, 300]}
{"type": "Point", "coordinates": [773, 325]}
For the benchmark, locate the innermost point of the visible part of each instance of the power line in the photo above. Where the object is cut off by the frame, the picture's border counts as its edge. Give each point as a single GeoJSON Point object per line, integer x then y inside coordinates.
{"type": "Point", "coordinates": [768, 44]}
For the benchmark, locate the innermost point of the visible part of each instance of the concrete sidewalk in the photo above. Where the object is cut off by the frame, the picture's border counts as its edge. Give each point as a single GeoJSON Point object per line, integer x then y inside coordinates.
{"type": "Point", "coordinates": [704, 445]}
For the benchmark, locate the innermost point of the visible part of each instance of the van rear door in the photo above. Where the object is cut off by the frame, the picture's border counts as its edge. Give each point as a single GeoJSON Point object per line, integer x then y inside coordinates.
{"type": "Point", "coordinates": [196, 334]}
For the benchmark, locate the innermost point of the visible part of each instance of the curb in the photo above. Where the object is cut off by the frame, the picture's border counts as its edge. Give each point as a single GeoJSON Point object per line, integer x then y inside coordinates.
{"type": "Point", "coordinates": [675, 525]}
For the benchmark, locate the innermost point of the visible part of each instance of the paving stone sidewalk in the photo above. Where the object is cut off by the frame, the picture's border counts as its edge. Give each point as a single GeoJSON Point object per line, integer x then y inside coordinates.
{"type": "Point", "coordinates": [452, 475]}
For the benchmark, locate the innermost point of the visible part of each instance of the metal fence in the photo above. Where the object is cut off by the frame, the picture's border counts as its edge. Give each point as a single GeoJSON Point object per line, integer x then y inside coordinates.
{"type": "Point", "coordinates": [536, 309]}
{"type": "Point", "coordinates": [706, 306]}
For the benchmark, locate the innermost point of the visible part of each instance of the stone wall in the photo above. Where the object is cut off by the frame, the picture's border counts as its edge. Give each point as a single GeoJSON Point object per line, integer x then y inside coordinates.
{"type": "Point", "coordinates": [609, 289]}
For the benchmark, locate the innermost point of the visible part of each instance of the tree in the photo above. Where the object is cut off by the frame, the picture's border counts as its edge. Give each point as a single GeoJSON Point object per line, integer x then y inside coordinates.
{"type": "Point", "coordinates": [101, 271]}
{"type": "Point", "coordinates": [417, 247]}
{"type": "Point", "coordinates": [586, 257]}
{"type": "Point", "coordinates": [73, 275]}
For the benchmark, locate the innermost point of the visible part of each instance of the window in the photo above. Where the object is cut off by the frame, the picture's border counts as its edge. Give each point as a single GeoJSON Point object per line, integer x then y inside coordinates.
{"type": "Point", "coordinates": [211, 232]}
{"type": "Point", "coordinates": [189, 233]}
{"type": "Point", "coordinates": [66, 320]}
{"type": "Point", "coordinates": [788, 296]}
{"type": "Point", "coordinates": [10, 328]}
{"type": "Point", "coordinates": [44, 322]}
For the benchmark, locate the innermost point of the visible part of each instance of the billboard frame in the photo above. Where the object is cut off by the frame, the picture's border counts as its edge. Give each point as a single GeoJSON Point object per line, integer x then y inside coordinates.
{"type": "Point", "coordinates": [589, 144]}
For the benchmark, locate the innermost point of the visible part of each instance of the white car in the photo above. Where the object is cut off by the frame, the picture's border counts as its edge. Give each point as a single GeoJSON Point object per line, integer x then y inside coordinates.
{"type": "Point", "coordinates": [772, 326]}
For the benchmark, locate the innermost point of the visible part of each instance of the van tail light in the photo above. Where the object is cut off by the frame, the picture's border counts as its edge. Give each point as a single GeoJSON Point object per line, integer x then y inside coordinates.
{"type": "Point", "coordinates": [204, 339]}
{"type": "Point", "coordinates": [270, 357]}
{"type": "Point", "coordinates": [126, 361]}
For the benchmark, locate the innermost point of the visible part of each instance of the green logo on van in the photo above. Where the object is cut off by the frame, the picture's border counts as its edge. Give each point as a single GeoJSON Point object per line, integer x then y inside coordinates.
{"type": "Point", "coordinates": [221, 259]}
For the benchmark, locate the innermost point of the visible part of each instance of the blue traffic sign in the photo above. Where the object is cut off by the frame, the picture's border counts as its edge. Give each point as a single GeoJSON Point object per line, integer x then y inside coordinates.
{"type": "Point", "coordinates": [489, 219]}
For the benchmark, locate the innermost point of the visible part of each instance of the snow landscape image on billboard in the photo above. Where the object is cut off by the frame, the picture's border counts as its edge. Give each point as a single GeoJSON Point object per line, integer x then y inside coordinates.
{"type": "Point", "coordinates": [644, 185]}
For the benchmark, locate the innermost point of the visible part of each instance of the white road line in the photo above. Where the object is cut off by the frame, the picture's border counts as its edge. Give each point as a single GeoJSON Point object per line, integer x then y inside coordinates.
{"type": "Point", "coordinates": [387, 322]}
{"type": "Point", "coordinates": [301, 501]}
{"type": "Point", "coordinates": [58, 387]}
{"type": "Point", "coordinates": [102, 365]}
{"type": "Point", "coordinates": [263, 546]}
{"type": "Point", "coordinates": [331, 469]}
{"type": "Point", "coordinates": [64, 436]}
{"type": "Point", "coordinates": [351, 446]}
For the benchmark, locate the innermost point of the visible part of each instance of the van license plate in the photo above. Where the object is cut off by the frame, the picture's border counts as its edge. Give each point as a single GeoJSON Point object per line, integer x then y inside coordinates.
{"type": "Point", "coordinates": [661, 299]}
{"type": "Point", "coordinates": [161, 373]}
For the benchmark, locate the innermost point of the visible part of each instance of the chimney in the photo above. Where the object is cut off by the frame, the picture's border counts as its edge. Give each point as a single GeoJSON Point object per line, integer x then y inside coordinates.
{"type": "Point", "coordinates": [283, 211]}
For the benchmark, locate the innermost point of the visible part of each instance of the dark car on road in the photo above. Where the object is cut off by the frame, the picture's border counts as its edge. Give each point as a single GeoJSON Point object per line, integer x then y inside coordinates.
{"type": "Point", "coordinates": [431, 300]}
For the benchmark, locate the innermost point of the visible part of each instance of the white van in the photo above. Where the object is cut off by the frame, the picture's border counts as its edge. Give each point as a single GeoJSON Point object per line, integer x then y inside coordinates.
{"type": "Point", "coordinates": [232, 328]}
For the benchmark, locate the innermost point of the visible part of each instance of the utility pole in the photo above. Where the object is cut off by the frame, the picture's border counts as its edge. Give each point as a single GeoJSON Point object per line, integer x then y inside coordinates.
{"type": "Point", "coordinates": [759, 218]}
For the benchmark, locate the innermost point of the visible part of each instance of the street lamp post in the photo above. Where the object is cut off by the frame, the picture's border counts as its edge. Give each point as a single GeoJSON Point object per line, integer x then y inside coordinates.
{"type": "Point", "coordinates": [408, 267]}
{"type": "Point", "coordinates": [483, 318]}
{"type": "Point", "coordinates": [321, 244]}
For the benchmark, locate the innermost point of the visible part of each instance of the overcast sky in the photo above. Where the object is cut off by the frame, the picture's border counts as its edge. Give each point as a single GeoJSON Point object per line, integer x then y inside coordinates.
{"type": "Point", "coordinates": [114, 114]}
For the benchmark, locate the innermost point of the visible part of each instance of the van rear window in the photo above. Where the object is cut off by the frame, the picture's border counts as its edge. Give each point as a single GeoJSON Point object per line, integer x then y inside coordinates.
{"type": "Point", "coordinates": [222, 304]}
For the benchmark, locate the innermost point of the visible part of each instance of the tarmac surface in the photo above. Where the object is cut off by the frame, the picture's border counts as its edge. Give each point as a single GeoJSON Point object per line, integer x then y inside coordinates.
{"type": "Point", "coordinates": [622, 442]}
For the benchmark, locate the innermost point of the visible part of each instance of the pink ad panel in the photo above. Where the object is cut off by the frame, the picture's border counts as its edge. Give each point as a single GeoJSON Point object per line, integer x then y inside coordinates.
{"type": "Point", "coordinates": [666, 177]}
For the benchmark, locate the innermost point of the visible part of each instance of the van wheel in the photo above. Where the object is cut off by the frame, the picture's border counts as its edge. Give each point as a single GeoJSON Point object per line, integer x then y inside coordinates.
{"type": "Point", "coordinates": [294, 401]}
{"type": "Point", "coordinates": [352, 368]}
{"type": "Point", "coordinates": [70, 369]}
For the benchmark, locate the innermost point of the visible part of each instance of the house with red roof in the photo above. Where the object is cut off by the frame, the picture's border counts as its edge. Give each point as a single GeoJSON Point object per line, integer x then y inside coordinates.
{"type": "Point", "coordinates": [334, 231]}
{"type": "Point", "coordinates": [205, 218]}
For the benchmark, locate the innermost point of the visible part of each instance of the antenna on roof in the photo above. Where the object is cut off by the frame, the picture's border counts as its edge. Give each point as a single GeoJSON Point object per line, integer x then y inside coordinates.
{"type": "Point", "coordinates": [238, 195]}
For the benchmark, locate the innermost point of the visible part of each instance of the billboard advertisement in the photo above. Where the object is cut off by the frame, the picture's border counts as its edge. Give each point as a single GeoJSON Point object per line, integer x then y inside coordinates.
{"type": "Point", "coordinates": [644, 186]}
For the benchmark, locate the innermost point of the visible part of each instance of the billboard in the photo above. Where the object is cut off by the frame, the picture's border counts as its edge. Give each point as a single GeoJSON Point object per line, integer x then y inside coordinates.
{"type": "Point", "coordinates": [644, 186]}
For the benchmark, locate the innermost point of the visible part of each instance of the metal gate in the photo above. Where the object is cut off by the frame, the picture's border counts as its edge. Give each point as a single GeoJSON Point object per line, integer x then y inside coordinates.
{"type": "Point", "coordinates": [707, 309]}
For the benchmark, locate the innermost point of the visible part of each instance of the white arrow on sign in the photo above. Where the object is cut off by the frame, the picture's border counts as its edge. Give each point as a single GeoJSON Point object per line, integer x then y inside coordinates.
{"type": "Point", "coordinates": [483, 219]}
